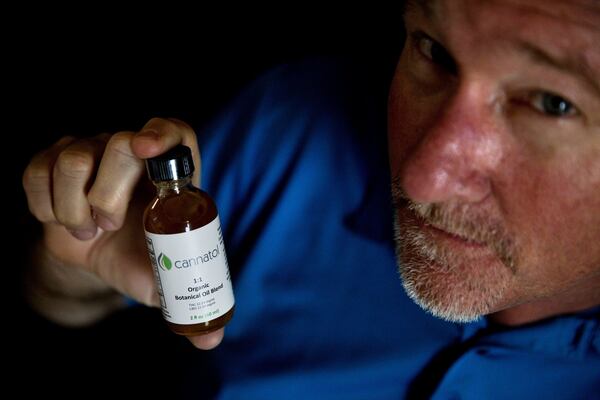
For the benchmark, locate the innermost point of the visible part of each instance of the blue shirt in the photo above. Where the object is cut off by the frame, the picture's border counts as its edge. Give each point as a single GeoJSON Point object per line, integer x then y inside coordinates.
{"type": "Point", "coordinates": [298, 168]}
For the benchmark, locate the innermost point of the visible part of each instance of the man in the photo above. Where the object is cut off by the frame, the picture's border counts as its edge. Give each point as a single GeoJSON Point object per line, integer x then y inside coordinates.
{"type": "Point", "coordinates": [494, 146]}
{"type": "Point", "coordinates": [495, 166]}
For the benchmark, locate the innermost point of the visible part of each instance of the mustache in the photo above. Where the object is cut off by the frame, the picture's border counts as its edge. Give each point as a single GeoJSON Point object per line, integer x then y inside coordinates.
{"type": "Point", "coordinates": [462, 220]}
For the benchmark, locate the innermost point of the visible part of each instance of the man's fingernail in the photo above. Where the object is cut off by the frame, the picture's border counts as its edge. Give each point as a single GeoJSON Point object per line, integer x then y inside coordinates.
{"type": "Point", "coordinates": [208, 341]}
{"type": "Point", "coordinates": [83, 234]}
{"type": "Point", "coordinates": [104, 222]}
{"type": "Point", "coordinates": [149, 134]}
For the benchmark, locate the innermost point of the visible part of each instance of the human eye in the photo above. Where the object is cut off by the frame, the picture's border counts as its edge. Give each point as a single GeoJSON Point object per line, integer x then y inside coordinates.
{"type": "Point", "coordinates": [546, 118]}
{"type": "Point", "coordinates": [552, 105]}
{"type": "Point", "coordinates": [433, 51]}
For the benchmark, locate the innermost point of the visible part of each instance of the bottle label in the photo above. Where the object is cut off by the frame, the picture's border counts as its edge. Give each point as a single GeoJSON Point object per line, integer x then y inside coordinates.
{"type": "Point", "coordinates": [192, 274]}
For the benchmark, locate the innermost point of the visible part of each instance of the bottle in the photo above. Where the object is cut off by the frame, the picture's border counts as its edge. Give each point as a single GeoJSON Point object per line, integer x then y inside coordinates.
{"type": "Point", "coordinates": [185, 245]}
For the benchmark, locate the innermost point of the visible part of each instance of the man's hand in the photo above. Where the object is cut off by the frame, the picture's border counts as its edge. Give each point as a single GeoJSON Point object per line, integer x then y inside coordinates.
{"type": "Point", "coordinates": [89, 195]}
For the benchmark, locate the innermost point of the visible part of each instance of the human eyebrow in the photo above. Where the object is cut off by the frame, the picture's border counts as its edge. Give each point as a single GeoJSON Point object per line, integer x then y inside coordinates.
{"type": "Point", "coordinates": [573, 65]}
{"type": "Point", "coordinates": [424, 6]}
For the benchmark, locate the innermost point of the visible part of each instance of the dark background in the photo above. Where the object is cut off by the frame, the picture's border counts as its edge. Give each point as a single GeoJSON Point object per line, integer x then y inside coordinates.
{"type": "Point", "coordinates": [91, 71]}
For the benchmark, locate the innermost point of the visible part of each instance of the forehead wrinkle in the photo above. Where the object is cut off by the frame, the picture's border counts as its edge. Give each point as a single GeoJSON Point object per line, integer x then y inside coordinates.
{"type": "Point", "coordinates": [578, 63]}
{"type": "Point", "coordinates": [564, 35]}
{"type": "Point", "coordinates": [582, 13]}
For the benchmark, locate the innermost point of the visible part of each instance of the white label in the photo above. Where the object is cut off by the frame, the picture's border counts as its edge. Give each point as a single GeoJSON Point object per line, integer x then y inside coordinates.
{"type": "Point", "coordinates": [192, 274]}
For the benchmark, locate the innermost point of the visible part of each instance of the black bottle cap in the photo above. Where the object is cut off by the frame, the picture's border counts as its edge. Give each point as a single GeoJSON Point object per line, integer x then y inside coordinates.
{"type": "Point", "coordinates": [176, 163]}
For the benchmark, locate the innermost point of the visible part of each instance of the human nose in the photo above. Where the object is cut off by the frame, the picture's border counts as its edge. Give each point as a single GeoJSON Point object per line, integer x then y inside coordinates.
{"type": "Point", "coordinates": [457, 154]}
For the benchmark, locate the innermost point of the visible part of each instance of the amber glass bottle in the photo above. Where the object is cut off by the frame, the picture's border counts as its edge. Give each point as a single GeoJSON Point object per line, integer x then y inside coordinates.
{"type": "Point", "coordinates": [185, 245]}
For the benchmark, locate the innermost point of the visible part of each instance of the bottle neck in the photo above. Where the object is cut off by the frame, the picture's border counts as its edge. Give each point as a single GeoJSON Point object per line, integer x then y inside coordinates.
{"type": "Point", "coordinates": [174, 186]}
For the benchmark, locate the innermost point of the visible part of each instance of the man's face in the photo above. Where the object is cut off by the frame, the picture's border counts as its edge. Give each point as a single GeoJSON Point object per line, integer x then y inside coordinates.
{"type": "Point", "coordinates": [494, 137]}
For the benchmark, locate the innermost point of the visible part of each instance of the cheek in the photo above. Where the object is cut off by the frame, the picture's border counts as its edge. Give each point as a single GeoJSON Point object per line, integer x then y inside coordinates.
{"type": "Point", "coordinates": [555, 216]}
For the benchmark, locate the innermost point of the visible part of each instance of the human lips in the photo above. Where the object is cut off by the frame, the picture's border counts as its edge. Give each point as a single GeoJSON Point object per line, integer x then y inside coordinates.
{"type": "Point", "coordinates": [451, 235]}
{"type": "Point", "coordinates": [449, 238]}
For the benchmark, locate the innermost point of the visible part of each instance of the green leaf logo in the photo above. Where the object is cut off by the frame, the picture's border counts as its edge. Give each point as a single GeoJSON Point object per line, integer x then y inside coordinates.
{"type": "Point", "coordinates": [164, 262]}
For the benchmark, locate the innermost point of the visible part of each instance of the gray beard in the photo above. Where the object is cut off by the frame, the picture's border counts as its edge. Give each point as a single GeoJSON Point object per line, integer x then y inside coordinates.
{"type": "Point", "coordinates": [441, 283]}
